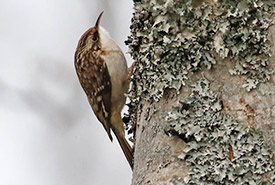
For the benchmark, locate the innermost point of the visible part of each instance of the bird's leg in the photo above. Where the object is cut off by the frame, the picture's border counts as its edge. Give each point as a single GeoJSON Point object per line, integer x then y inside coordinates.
{"type": "Point", "coordinates": [130, 72]}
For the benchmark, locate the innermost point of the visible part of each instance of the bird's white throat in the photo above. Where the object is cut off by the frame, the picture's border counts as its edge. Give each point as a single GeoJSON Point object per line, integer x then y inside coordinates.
{"type": "Point", "coordinates": [107, 42]}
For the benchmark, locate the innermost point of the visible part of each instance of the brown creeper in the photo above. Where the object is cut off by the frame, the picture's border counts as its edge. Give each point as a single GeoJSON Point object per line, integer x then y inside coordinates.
{"type": "Point", "coordinates": [103, 74]}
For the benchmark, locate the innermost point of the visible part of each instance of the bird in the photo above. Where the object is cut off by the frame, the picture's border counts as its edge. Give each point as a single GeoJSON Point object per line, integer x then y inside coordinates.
{"type": "Point", "coordinates": [102, 71]}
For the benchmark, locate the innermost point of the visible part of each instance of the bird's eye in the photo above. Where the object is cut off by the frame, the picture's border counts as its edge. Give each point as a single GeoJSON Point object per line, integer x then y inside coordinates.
{"type": "Point", "coordinates": [95, 38]}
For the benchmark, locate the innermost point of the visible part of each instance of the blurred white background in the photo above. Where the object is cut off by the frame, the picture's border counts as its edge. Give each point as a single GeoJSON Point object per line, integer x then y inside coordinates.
{"type": "Point", "coordinates": [48, 133]}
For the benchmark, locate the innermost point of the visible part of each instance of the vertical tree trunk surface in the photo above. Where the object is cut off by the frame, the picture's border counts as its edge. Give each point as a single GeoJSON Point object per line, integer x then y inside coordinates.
{"type": "Point", "coordinates": [202, 100]}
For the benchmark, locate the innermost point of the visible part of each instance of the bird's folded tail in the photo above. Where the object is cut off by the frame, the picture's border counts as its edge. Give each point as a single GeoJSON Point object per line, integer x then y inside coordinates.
{"type": "Point", "coordinates": [126, 148]}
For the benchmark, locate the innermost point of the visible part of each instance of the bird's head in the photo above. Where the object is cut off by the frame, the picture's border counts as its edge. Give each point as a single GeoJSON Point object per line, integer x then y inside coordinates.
{"type": "Point", "coordinates": [96, 38]}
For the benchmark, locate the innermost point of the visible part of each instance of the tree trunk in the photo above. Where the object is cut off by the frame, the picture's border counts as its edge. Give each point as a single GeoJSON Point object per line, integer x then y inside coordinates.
{"type": "Point", "coordinates": [202, 98]}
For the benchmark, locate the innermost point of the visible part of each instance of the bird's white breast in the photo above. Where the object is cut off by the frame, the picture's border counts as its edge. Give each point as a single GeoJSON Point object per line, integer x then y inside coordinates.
{"type": "Point", "coordinates": [117, 67]}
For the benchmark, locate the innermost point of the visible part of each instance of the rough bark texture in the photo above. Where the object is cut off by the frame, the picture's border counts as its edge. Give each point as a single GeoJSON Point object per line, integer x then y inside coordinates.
{"type": "Point", "coordinates": [156, 154]}
{"type": "Point", "coordinates": [208, 127]}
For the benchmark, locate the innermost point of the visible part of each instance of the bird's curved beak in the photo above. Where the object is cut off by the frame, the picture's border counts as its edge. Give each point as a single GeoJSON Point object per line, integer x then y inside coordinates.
{"type": "Point", "coordinates": [98, 20]}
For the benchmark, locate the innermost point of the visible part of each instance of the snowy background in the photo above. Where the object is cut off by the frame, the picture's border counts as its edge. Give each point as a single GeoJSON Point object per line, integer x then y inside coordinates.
{"type": "Point", "coordinates": [48, 133]}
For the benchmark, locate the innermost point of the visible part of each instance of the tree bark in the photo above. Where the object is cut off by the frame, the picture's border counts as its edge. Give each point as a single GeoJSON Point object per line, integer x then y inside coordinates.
{"type": "Point", "coordinates": [202, 98]}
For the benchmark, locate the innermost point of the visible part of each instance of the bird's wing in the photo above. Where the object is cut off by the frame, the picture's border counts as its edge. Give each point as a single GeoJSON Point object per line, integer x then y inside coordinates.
{"type": "Point", "coordinates": [95, 80]}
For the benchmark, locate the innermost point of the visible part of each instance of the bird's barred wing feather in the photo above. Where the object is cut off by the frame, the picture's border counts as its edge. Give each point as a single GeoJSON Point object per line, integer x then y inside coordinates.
{"type": "Point", "coordinates": [95, 80]}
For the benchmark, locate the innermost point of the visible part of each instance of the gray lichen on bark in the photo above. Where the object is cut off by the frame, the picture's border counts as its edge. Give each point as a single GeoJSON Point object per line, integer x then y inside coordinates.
{"type": "Point", "coordinates": [225, 44]}
{"type": "Point", "coordinates": [219, 149]}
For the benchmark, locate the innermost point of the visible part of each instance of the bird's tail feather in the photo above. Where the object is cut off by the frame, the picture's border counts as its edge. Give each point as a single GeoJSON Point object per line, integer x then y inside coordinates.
{"type": "Point", "coordinates": [126, 148]}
